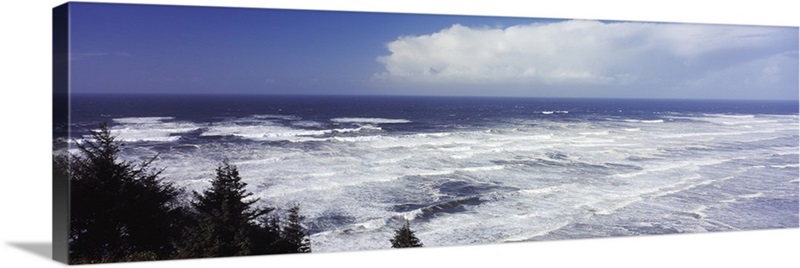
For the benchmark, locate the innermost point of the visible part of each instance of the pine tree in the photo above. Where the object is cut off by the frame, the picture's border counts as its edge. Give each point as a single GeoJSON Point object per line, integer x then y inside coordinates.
{"type": "Point", "coordinates": [225, 222]}
{"type": "Point", "coordinates": [266, 236]}
{"type": "Point", "coordinates": [117, 208]}
{"type": "Point", "coordinates": [294, 234]}
{"type": "Point", "coordinates": [404, 237]}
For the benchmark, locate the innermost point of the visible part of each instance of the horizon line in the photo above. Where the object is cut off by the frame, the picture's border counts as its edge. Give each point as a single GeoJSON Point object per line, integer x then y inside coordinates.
{"type": "Point", "coordinates": [433, 96]}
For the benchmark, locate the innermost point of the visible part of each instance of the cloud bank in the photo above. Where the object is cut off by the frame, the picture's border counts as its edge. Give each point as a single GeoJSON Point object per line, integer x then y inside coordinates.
{"type": "Point", "coordinates": [590, 54]}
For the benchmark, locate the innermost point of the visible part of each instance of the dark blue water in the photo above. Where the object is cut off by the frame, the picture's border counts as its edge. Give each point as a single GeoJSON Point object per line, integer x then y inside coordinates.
{"type": "Point", "coordinates": [425, 113]}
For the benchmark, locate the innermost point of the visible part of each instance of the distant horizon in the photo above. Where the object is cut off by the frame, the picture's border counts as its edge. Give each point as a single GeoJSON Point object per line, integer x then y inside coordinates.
{"type": "Point", "coordinates": [432, 96]}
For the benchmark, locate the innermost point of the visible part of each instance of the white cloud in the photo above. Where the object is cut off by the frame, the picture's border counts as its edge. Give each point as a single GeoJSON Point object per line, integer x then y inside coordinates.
{"type": "Point", "coordinates": [761, 76]}
{"type": "Point", "coordinates": [586, 54]}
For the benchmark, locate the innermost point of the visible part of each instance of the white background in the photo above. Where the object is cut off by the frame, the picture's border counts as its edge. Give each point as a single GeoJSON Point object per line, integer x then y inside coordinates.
{"type": "Point", "coordinates": [25, 81]}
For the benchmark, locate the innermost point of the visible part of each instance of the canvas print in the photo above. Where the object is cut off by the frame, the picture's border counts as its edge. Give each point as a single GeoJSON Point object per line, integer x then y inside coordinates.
{"type": "Point", "coordinates": [193, 132]}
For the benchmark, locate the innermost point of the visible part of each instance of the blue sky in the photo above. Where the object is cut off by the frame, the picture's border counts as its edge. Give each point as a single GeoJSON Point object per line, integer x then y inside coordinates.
{"type": "Point", "coordinates": [121, 48]}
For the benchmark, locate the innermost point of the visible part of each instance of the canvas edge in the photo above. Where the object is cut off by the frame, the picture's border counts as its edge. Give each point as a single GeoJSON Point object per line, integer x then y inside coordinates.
{"type": "Point", "coordinates": [60, 102]}
{"type": "Point", "coordinates": [60, 130]}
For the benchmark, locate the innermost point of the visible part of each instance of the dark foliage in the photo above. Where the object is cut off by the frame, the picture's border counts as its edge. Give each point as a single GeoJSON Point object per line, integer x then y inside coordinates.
{"type": "Point", "coordinates": [404, 238]}
{"type": "Point", "coordinates": [119, 210]}
{"type": "Point", "coordinates": [266, 236]}
{"type": "Point", "coordinates": [293, 237]}
{"type": "Point", "coordinates": [225, 224]}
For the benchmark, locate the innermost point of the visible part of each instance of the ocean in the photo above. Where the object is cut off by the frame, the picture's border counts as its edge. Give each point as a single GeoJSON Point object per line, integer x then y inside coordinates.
{"type": "Point", "coordinates": [470, 170]}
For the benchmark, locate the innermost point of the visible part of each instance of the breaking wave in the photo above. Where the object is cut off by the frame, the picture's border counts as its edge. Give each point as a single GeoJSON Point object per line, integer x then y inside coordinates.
{"type": "Point", "coordinates": [510, 180]}
{"type": "Point", "coordinates": [365, 120]}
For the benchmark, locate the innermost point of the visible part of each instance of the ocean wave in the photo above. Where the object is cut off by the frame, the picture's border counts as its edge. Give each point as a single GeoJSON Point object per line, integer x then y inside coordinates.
{"type": "Point", "coordinates": [427, 211]}
{"type": "Point", "coordinates": [355, 139]}
{"type": "Point", "coordinates": [753, 195]}
{"type": "Point", "coordinates": [308, 124]}
{"type": "Point", "coordinates": [260, 132]}
{"type": "Point", "coordinates": [537, 233]}
{"type": "Point", "coordinates": [555, 112]}
{"type": "Point", "coordinates": [368, 120]}
{"type": "Point", "coordinates": [636, 174]}
{"type": "Point", "coordinates": [142, 120]}
{"type": "Point", "coordinates": [653, 121]}
{"type": "Point", "coordinates": [276, 116]}
{"type": "Point", "coordinates": [277, 132]}
{"type": "Point", "coordinates": [547, 190]}
{"type": "Point", "coordinates": [740, 116]}
{"type": "Point", "coordinates": [450, 171]}
{"type": "Point", "coordinates": [150, 129]}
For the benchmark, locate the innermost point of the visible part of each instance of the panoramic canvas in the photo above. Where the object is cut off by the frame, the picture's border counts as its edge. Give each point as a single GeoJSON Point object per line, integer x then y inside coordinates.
{"type": "Point", "coordinates": [191, 132]}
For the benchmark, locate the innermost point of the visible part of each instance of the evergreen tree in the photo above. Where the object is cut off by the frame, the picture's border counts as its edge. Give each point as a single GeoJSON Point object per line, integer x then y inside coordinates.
{"type": "Point", "coordinates": [266, 236]}
{"type": "Point", "coordinates": [293, 235]}
{"type": "Point", "coordinates": [404, 237]}
{"type": "Point", "coordinates": [225, 222]}
{"type": "Point", "coordinates": [117, 208]}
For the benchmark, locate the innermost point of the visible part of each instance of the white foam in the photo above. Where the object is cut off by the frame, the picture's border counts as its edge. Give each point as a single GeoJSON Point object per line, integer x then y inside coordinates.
{"type": "Point", "coordinates": [698, 211]}
{"type": "Point", "coordinates": [276, 116]}
{"type": "Point", "coordinates": [654, 121]}
{"type": "Point", "coordinates": [707, 134]}
{"type": "Point", "coordinates": [596, 133]}
{"type": "Point", "coordinates": [356, 139]}
{"type": "Point", "coordinates": [142, 120]}
{"type": "Point", "coordinates": [606, 208]}
{"type": "Point", "coordinates": [150, 129]}
{"type": "Point", "coordinates": [410, 215]}
{"type": "Point", "coordinates": [485, 168]}
{"type": "Point", "coordinates": [456, 149]}
{"type": "Point", "coordinates": [731, 115]}
{"type": "Point", "coordinates": [610, 177]}
{"type": "Point", "coordinates": [128, 138]}
{"type": "Point", "coordinates": [260, 132]}
{"type": "Point", "coordinates": [369, 225]}
{"type": "Point", "coordinates": [310, 124]}
{"type": "Point", "coordinates": [754, 195]}
{"type": "Point", "coordinates": [537, 233]}
{"type": "Point", "coordinates": [747, 121]}
{"type": "Point", "coordinates": [268, 131]}
{"type": "Point", "coordinates": [680, 187]}
{"type": "Point", "coordinates": [368, 120]}
{"type": "Point", "coordinates": [438, 172]}
{"type": "Point", "coordinates": [431, 135]}
{"type": "Point", "coordinates": [547, 190]}
{"type": "Point", "coordinates": [349, 130]}
{"type": "Point", "coordinates": [676, 165]}
{"type": "Point", "coordinates": [785, 166]}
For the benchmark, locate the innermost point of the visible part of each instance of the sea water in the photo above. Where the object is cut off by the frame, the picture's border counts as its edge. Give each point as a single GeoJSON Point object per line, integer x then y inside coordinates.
{"type": "Point", "coordinates": [467, 170]}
